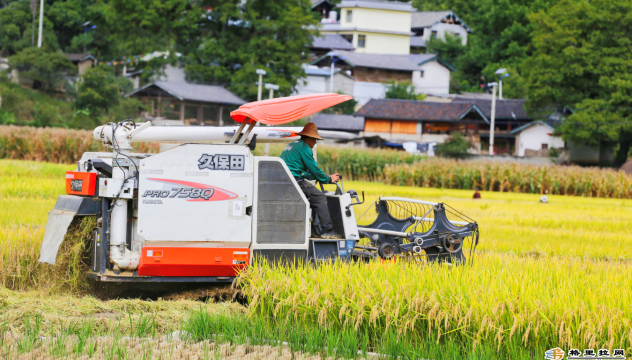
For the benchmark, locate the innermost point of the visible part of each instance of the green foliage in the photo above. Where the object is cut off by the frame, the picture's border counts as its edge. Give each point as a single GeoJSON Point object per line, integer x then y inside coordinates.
{"type": "Point", "coordinates": [456, 146]}
{"type": "Point", "coordinates": [238, 39]}
{"type": "Point", "coordinates": [100, 88]}
{"type": "Point", "coordinates": [402, 90]}
{"type": "Point", "coordinates": [46, 69]}
{"type": "Point", "coordinates": [501, 39]}
{"type": "Point", "coordinates": [16, 28]}
{"type": "Point", "coordinates": [582, 58]}
{"type": "Point", "coordinates": [449, 49]}
{"type": "Point", "coordinates": [347, 108]}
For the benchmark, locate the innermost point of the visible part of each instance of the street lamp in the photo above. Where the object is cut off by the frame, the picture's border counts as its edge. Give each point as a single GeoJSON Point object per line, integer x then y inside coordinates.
{"type": "Point", "coordinates": [491, 128]}
{"type": "Point", "coordinates": [272, 87]}
{"type": "Point", "coordinates": [86, 28]}
{"type": "Point", "coordinates": [260, 72]}
{"type": "Point", "coordinates": [334, 58]}
{"type": "Point", "coordinates": [502, 74]}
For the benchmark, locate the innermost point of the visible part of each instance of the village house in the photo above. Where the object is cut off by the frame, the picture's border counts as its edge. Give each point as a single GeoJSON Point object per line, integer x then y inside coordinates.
{"type": "Point", "coordinates": [426, 72]}
{"type": "Point", "coordinates": [376, 42]}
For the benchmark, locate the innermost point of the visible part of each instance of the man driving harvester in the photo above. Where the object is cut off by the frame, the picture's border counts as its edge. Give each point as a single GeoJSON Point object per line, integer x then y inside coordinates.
{"type": "Point", "coordinates": [300, 160]}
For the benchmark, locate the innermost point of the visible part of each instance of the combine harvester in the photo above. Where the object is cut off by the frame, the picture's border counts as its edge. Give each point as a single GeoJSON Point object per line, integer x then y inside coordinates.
{"type": "Point", "coordinates": [200, 212]}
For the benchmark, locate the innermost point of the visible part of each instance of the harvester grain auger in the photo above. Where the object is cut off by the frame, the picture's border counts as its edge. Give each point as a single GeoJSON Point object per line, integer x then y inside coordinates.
{"type": "Point", "coordinates": [200, 212]}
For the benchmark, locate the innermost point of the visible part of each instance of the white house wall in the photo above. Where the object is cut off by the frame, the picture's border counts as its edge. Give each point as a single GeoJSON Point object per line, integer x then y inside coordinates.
{"type": "Point", "coordinates": [318, 84]}
{"type": "Point", "coordinates": [435, 80]}
{"type": "Point", "coordinates": [364, 91]}
{"type": "Point", "coordinates": [312, 85]}
{"type": "Point", "coordinates": [533, 137]}
{"type": "Point", "coordinates": [441, 30]}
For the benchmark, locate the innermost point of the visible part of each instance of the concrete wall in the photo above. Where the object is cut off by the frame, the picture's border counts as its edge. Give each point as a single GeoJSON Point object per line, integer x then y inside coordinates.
{"type": "Point", "coordinates": [534, 136]}
{"type": "Point", "coordinates": [442, 28]}
{"type": "Point", "coordinates": [313, 84]}
{"type": "Point", "coordinates": [173, 74]}
{"type": "Point", "coordinates": [365, 91]}
{"type": "Point", "coordinates": [435, 79]}
{"type": "Point", "coordinates": [84, 66]}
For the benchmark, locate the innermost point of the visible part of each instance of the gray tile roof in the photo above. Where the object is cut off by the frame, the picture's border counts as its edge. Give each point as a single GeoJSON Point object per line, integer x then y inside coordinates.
{"type": "Point", "coordinates": [417, 41]}
{"type": "Point", "coordinates": [509, 109]}
{"type": "Point", "coordinates": [380, 61]}
{"type": "Point", "coordinates": [377, 4]}
{"type": "Point", "coordinates": [424, 19]}
{"type": "Point", "coordinates": [333, 42]}
{"type": "Point", "coordinates": [417, 110]}
{"type": "Point", "coordinates": [339, 122]}
{"type": "Point", "coordinates": [80, 57]}
{"type": "Point", "coordinates": [194, 92]}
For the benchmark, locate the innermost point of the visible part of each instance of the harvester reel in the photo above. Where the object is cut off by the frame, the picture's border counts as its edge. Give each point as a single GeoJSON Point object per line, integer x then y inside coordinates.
{"type": "Point", "coordinates": [419, 231]}
{"type": "Point", "coordinates": [452, 242]}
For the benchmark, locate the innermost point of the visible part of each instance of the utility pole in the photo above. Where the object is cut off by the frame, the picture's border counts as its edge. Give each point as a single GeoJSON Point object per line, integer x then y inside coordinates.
{"type": "Point", "coordinates": [492, 125]}
{"type": "Point", "coordinates": [260, 72]}
{"type": "Point", "coordinates": [333, 54]}
{"type": "Point", "coordinates": [41, 24]}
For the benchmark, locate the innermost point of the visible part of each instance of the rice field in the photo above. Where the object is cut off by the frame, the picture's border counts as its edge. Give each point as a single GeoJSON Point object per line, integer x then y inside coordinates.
{"type": "Point", "coordinates": [545, 275]}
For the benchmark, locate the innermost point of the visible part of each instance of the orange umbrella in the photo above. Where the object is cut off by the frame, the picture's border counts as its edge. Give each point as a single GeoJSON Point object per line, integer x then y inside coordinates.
{"type": "Point", "coordinates": [283, 110]}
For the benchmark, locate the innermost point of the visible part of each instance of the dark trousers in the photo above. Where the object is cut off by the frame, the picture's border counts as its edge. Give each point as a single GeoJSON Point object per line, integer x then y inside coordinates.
{"type": "Point", "coordinates": [318, 203]}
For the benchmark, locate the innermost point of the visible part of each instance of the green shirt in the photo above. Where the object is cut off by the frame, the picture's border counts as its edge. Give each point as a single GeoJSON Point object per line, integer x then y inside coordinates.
{"type": "Point", "coordinates": [300, 160]}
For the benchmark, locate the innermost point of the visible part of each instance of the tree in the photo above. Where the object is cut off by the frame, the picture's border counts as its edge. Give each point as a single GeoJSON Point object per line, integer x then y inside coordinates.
{"type": "Point", "coordinates": [46, 69]}
{"type": "Point", "coordinates": [239, 38]}
{"type": "Point", "coordinates": [449, 49]}
{"type": "Point", "coordinates": [16, 29]}
{"type": "Point", "coordinates": [404, 90]}
{"type": "Point", "coordinates": [456, 146]}
{"type": "Point", "coordinates": [582, 58]}
{"type": "Point", "coordinates": [100, 89]}
{"type": "Point", "coordinates": [501, 39]}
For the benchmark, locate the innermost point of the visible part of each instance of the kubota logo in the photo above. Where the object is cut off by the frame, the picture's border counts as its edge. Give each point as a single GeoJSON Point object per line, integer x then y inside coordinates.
{"type": "Point", "coordinates": [188, 190]}
{"type": "Point", "coordinates": [281, 134]}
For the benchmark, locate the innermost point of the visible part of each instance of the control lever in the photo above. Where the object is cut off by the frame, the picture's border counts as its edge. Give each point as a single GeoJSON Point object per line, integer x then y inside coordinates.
{"type": "Point", "coordinates": [358, 202]}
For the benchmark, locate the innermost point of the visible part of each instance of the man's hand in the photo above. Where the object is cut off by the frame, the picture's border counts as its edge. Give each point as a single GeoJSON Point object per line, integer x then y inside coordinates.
{"type": "Point", "coordinates": [335, 177]}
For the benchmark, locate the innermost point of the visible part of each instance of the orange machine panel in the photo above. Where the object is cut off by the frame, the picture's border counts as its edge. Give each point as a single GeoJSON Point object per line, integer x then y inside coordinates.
{"type": "Point", "coordinates": [80, 183]}
{"type": "Point", "coordinates": [192, 261]}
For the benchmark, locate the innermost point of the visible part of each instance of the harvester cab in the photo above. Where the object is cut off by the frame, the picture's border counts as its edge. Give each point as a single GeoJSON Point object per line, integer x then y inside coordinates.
{"type": "Point", "coordinates": [201, 211]}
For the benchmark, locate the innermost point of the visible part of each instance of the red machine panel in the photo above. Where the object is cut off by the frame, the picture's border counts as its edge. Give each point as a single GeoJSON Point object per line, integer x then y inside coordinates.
{"type": "Point", "coordinates": [80, 183]}
{"type": "Point", "coordinates": [192, 261]}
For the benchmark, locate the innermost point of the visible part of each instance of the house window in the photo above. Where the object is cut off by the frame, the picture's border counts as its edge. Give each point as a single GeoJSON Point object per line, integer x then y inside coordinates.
{"type": "Point", "coordinates": [545, 146]}
{"type": "Point", "coordinates": [421, 74]}
{"type": "Point", "coordinates": [349, 16]}
{"type": "Point", "coordinates": [361, 41]}
{"type": "Point", "coordinates": [433, 34]}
